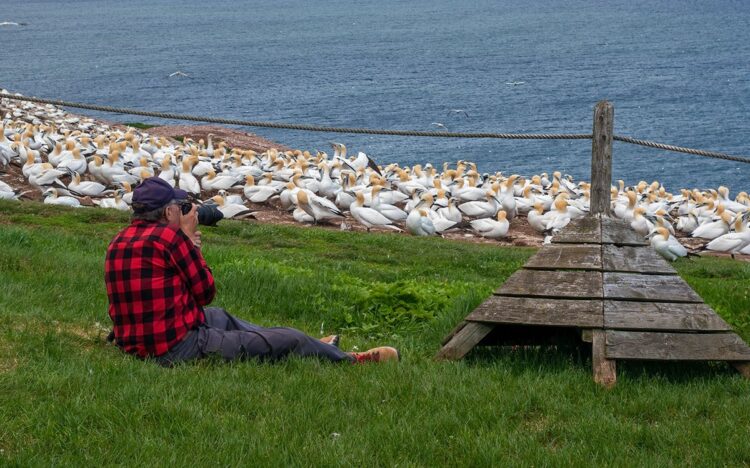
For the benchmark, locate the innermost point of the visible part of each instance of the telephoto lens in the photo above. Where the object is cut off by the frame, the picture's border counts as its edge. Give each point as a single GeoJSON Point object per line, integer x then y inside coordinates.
{"type": "Point", "coordinates": [209, 215]}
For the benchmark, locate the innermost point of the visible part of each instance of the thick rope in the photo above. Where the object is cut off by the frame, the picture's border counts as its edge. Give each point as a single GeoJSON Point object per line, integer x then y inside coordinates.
{"type": "Point", "coordinates": [369, 131]}
{"type": "Point", "coordinates": [306, 127]}
{"type": "Point", "coordinates": [680, 149]}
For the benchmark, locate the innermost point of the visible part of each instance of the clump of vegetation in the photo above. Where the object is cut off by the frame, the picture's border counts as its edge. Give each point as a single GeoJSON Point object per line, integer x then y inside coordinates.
{"type": "Point", "coordinates": [391, 309]}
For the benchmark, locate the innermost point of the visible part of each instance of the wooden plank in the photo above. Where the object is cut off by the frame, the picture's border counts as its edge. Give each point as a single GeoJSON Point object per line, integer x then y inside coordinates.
{"type": "Point", "coordinates": [634, 260]}
{"type": "Point", "coordinates": [636, 287]}
{"type": "Point", "coordinates": [567, 256]}
{"type": "Point", "coordinates": [463, 341]}
{"type": "Point", "coordinates": [605, 370]}
{"type": "Point", "coordinates": [618, 231]}
{"type": "Point", "coordinates": [545, 283]}
{"type": "Point", "coordinates": [676, 346]}
{"type": "Point", "coordinates": [601, 157]}
{"type": "Point", "coordinates": [580, 231]}
{"type": "Point", "coordinates": [664, 316]}
{"type": "Point", "coordinates": [535, 311]}
{"type": "Point", "coordinates": [453, 332]}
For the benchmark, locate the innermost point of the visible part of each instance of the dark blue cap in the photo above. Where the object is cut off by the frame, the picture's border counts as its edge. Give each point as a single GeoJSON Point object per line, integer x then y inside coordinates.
{"type": "Point", "coordinates": [154, 193]}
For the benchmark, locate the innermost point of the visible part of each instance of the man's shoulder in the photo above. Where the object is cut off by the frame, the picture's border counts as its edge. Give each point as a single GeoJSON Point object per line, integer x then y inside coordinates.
{"type": "Point", "coordinates": [154, 232]}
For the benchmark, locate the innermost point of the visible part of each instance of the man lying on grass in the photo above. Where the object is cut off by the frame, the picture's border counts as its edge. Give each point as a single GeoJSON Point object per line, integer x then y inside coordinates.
{"type": "Point", "coordinates": [158, 284]}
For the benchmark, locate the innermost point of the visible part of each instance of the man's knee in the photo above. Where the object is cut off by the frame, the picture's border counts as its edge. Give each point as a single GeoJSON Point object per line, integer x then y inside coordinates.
{"type": "Point", "coordinates": [216, 317]}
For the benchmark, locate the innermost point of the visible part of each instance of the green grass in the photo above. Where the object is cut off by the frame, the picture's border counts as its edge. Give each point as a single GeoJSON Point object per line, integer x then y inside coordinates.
{"type": "Point", "coordinates": [68, 398]}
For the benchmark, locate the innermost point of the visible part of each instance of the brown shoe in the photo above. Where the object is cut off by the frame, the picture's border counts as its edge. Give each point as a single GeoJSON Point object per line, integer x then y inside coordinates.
{"type": "Point", "coordinates": [381, 354]}
{"type": "Point", "coordinates": [332, 340]}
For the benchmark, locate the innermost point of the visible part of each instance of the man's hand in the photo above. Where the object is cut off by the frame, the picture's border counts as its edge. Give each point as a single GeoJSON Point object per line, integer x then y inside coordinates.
{"type": "Point", "coordinates": [197, 239]}
{"type": "Point", "coordinates": [189, 223]}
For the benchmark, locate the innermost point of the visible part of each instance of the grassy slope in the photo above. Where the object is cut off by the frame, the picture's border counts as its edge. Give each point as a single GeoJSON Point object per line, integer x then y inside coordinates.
{"type": "Point", "coordinates": [66, 397]}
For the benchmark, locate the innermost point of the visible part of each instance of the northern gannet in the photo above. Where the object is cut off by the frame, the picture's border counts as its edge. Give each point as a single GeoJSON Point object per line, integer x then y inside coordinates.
{"type": "Point", "coordinates": [114, 203]}
{"type": "Point", "coordinates": [560, 217]}
{"type": "Point", "coordinates": [391, 212]}
{"type": "Point", "coordinates": [491, 228]}
{"type": "Point", "coordinates": [733, 242]}
{"type": "Point", "coordinates": [258, 193]}
{"type": "Point", "coordinates": [369, 217]}
{"type": "Point", "coordinates": [86, 187]}
{"type": "Point", "coordinates": [211, 181]}
{"type": "Point", "coordinates": [187, 180]}
{"type": "Point", "coordinates": [321, 209]}
{"type": "Point", "coordinates": [419, 223]}
{"type": "Point", "coordinates": [75, 163]}
{"type": "Point", "coordinates": [451, 212]}
{"type": "Point", "coordinates": [666, 245]}
{"type": "Point", "coordinates": [536, 218]}
{"type": "Point", "coordinates": [640, 223]}
{"type": "Point", "coordinates": [231, 210]}
{"type": "Point", "coordinates": [51, 198]}
{"type": "Point", "coordinates": [481, 209]}
{"type": "Point", "coordinates": [714, 229]}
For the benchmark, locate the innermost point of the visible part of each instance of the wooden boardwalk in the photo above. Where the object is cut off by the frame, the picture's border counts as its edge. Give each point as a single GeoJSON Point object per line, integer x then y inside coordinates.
{"type": "Point", "coordinates": [601, 279]}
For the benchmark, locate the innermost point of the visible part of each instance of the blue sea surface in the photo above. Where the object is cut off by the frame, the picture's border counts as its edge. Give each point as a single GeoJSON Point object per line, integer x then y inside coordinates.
{"type": "Point", "coordinates": [677, 72]}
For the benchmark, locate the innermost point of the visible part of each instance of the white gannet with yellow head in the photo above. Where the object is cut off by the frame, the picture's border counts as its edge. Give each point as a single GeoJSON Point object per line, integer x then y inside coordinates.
{"type": "Point", "coordinates": [492, 228]}
{"type": "Point", "coordinates": [736, 241]}
{"type": "Point", "coordinates": [369, 217]}
{"type": "Point", "coordinates": [666, 245]}
{"type": "Point", "coordinates": [321, 209]}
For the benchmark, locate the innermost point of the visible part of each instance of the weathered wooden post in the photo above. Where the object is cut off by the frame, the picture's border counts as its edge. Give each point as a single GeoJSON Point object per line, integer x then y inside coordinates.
{"type": "Point", "coordinates": [605, 370]}
{"type": "Point", "coordinates": [601, 158]}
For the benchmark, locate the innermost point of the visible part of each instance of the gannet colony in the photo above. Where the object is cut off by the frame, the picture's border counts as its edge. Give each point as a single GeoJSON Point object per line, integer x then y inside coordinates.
{"type": "Point", "coordinates": [68, 159]}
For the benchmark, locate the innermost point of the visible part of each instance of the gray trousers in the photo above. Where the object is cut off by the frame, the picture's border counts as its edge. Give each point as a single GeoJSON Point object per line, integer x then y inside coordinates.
{"type": "Point", "coordinates": [235, 339]}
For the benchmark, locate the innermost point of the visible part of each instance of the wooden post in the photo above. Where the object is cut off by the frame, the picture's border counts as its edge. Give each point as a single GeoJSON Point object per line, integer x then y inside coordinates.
{"type": "Point", "coordinates": [605, 370]}
{"type": "Point", "coordinates": [743, 367]}
{"type": "Point", "coordinates": [601, 158]}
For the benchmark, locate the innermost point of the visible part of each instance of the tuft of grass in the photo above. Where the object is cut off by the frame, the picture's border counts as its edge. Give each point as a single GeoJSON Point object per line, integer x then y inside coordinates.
{"type": "Point", "coordinates": [69, 398]}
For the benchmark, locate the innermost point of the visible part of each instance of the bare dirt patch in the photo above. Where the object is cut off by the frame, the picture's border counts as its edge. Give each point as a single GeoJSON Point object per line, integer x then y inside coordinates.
{"type": "Point", "coordinates": [233, 138]}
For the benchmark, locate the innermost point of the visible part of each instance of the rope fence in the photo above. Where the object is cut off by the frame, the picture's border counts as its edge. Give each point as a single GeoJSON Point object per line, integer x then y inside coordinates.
{"type": "Point", "coordinates": [370, 131]}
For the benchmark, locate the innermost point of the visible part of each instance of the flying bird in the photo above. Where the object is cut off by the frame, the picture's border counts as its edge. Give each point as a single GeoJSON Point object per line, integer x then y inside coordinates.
{"type": "Point", "coordinates": [458, 112]}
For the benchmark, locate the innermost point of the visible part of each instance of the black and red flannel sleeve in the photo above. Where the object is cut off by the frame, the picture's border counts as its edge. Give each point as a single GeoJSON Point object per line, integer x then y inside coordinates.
{"type": "Point", "coordinates": [194, 269]}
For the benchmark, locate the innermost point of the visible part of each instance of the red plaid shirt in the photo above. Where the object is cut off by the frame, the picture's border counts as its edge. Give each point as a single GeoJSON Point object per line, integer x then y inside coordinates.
{"type": "Point", "coordinates": [157, 282]}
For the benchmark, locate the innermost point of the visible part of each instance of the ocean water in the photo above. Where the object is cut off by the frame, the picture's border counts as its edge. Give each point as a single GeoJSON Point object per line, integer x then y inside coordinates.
{"type": "Point", "coordinates": [677, 72]}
